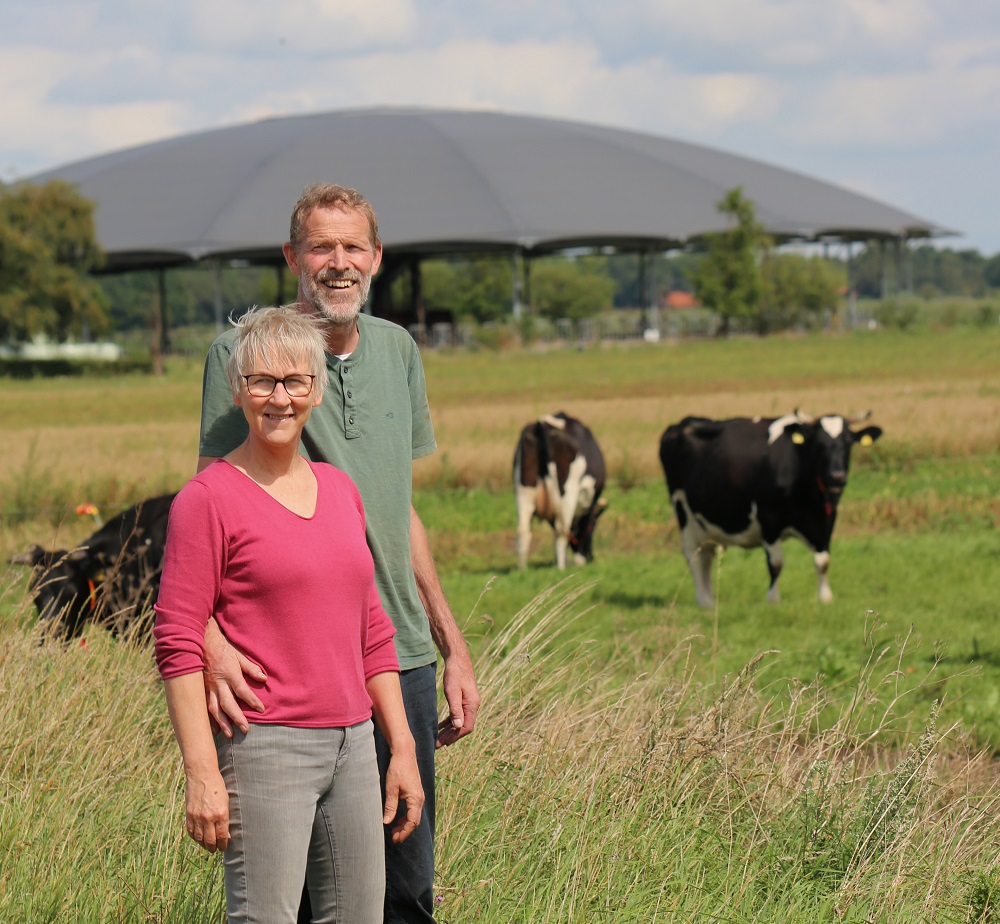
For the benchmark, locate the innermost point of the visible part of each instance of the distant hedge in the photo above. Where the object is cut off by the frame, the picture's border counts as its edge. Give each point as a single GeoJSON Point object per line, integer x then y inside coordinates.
{"type": "Point", "coordinates": [19, 367]}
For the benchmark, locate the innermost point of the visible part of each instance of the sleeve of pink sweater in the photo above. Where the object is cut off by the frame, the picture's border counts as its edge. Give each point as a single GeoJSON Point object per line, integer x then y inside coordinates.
{"type": "Point", "coordinates": [193, 567]}
{"type": "Point", "coordinates": [380, 650]}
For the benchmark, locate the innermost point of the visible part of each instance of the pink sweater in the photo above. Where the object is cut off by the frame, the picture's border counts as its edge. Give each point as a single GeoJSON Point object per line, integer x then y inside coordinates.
{"type": "Point", "coordinates": [295, 594]}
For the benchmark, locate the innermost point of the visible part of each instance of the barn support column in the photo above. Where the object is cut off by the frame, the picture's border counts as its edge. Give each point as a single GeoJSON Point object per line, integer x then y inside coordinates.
{"type": "Point", "coordinates": [417, 304]}
{"type": "Point", "coordinates": [646, 299]}
{"type": "Point", "coordinates": [851, 294]}
{"type": "Point", "coordinates": [526, 285]}
{"type": "Point", "coordinates": [164, 314]}
{"type": "Point", "coordinates": [897, 245]}
{"type": "Point", "coordinates": [516, 287]}
{"type": "Point", "coordinates": [279, 272]}
{"type": "Point", "coordinates": [217, 293]}
{"type": "Point", "coordinates": [883, 271]}
{"type": "Point", "coordinates": [640, 283]}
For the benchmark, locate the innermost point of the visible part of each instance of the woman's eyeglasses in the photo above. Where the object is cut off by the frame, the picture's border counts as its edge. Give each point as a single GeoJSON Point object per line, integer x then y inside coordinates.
{"type": "Point", "coordinates": [262, 386]}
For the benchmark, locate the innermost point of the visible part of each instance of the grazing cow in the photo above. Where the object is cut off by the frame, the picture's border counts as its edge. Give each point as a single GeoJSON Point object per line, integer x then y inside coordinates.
{"type": "Point", "coordinates": [110, 578]}
{"type": "Point", "coordinates": [755, 482]}
{"type": "Point", "coordinates": [559, 477]}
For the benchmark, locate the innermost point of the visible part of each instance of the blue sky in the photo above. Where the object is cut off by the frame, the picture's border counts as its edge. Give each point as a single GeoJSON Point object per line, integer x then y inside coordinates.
{"type": "Point", "coordinates": [897, 99]}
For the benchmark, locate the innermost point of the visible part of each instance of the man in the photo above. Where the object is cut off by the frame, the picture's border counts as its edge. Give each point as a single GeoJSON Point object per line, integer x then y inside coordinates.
{"type": "Point", "coordinates": [373, 422]}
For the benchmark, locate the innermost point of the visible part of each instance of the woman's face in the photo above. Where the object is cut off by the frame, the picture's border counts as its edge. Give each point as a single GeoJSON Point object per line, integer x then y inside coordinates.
{"type": "Point", "coordinates": [277, 418]}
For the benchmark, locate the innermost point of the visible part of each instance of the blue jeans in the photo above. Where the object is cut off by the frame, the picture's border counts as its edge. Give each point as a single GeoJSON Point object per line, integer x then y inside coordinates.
{"type": "Point", "coordinates": [303, 802]}
{"type": "Point", "coordinates": [409, 867]}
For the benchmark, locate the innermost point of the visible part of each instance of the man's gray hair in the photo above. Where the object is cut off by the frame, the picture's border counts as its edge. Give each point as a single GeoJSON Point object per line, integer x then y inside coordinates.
{"type": "Point", "coordinates": [331, 196]}
{"type": "Point", "coordinates": [276, 336]}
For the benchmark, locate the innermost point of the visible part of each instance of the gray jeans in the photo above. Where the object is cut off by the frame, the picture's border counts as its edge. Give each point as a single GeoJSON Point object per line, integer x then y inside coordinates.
{"type": "Point", "coordinates": [303, 802]}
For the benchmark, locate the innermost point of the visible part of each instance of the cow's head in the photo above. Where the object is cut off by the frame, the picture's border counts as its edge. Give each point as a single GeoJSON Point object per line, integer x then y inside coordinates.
{"type": "Point", "coordinates": [64, 586]}
{"type": "Point", "coordinates": [582, 538]}
{"type": "Point", "coordinates": [827, 442]}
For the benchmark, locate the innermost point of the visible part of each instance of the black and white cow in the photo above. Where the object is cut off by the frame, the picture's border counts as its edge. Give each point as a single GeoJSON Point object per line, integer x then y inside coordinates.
{"type": "Point", "coordinates": [559, 477]}
{"type": "Point", "coordinates": [753, 482]}
{"type": "Point", "coordinates": [111, 578]}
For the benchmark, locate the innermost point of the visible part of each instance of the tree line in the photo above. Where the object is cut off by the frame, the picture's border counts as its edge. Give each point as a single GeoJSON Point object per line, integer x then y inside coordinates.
{"type": "Point", "coordinates": [48, 249]}
{"type": "Point", "coordinates": [51, 285]}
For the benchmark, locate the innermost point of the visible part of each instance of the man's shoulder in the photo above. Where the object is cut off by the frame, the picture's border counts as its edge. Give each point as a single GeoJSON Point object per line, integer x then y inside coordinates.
{"type": "Point", "coordinates": [226, 340]}
{"type": "Point", "coordinates": [385, 338]}
{"type": "Point", "coordinates": [384, 329]}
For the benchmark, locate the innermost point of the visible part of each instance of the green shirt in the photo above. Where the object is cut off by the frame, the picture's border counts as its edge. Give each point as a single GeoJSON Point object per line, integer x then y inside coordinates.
{"type": "Point", "coordinates": [373, 422]}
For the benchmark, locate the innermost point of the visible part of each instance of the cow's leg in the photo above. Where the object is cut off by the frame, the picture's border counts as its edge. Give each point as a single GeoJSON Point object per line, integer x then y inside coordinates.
{"type": "Point", "coordinates": [526, 499]}
{"type": "Point", "coordinates": [560, 523]}
{"type": "Point", "coordinates": [775, 562]}
{"type": "Point", "coordinates": [562, 548]}
{"type": "Point", "coordinates": [822, 562]}
{"type": "Point", "coordinates": [570, 503]}
{"type": "Point", "coordinates": [700, 554]}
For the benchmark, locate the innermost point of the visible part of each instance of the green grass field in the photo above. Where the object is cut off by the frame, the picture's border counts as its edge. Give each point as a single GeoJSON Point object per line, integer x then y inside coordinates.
{"type": "Point", "coordinates": [629, 766]}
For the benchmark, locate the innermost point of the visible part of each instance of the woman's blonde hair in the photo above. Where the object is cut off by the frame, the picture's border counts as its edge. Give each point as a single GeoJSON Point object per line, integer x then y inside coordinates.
{"type": "Point", "coordinates": [275, 336]}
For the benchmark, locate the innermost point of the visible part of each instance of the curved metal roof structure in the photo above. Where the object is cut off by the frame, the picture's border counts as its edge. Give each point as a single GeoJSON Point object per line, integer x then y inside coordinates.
{"type": "Point", "coordinates": [449, 181]}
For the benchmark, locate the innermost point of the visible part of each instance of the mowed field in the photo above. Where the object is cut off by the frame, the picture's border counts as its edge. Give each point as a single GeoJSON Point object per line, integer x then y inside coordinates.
{"type": "Point", "coordinates": [606, 663]}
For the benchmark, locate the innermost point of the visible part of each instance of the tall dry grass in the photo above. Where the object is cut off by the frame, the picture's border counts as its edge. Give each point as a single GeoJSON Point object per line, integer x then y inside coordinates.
{"type": "Point", "coordinates": [662, 800]}
{"type": "Point", "coordinates": [581, 797]}
{"type": "Point", "coordinates": [92, 791]}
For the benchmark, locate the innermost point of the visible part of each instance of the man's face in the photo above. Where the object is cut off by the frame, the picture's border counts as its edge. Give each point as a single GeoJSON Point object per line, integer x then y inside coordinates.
{"type": "Point", "coordinates": [335, 262]}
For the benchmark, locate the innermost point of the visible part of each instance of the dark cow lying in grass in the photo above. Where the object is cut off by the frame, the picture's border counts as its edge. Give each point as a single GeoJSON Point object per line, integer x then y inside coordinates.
{"type": "Point", "coordinates": [753, 482]}
{"type": "Point", "coordinates": [110, 579]}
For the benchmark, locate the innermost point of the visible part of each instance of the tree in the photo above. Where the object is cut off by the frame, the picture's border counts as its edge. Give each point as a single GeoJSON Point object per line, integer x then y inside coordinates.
{"type": "Point", "coordinates": [473, 288]}
{"type": "Point", "coordinates": [48, 245]}
{"type": "Point", "coordinates": [564, 288]}
{"type": "Point", "coordinates": [798, 291]}
{"type": "Point", "coordinates": [133, 297]}
{"type": "Point", "coordinates": [932, 271]}
{"type": "Point", "coordinates": [728, 280]}
{"type": "Point", "coordinates": [665, 272]}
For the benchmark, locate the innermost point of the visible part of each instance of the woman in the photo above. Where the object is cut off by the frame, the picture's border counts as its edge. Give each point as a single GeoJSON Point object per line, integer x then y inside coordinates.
{"type": "Point", "coordinates": [273, 547]}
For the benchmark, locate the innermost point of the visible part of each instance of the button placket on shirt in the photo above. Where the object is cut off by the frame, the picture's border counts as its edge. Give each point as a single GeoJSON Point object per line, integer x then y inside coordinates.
{"type": "Point", "coordinates": [350, 401]}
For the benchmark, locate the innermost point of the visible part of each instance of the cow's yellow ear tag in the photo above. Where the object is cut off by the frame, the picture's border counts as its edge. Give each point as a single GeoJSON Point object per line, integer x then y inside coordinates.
{"type": "Point", "coordinates": [866, 440]}
{"type": "Point", "coordinates": [798, 438]}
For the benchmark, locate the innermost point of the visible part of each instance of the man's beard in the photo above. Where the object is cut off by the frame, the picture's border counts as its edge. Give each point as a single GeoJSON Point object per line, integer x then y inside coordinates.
{"type": "Point", "coordinates": [331, 303]}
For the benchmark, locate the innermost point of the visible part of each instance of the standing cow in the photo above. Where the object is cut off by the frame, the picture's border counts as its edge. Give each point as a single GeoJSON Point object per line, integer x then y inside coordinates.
{"type": "Point", "coordinates": [755, 482]}
{"type": "Point", "coordinates": [109, 578]}
{"type": "Point", "coordinates": [559, 477]}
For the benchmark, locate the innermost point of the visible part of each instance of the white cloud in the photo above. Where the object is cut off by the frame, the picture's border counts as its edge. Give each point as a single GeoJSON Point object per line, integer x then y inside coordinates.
{"type": "Point", "coordinates": [560, 79]}
{"type": "Point", "coordinates": [889, 23]}
{"type": "Point", "coordinates": [42, 132]}
{"type": "Point", "coordinates": [333, 27]}
{"type": "Point", "coordinates": [898, 110]}
{"type": "Point", "coordinates": [771, 33]}
{"type": "Point", "coordinates": [905, 82]}
{"type": "Point", "coordinates": [966, 52]}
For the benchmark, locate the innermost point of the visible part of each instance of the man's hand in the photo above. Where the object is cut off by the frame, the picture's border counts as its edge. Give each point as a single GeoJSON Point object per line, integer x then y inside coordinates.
{"type": "Point", "coordinates": [459, 677]}
{"type": "Point", "coordinates": [226, 670]}
{"type": "Point", "coordinates": [462, 695]}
